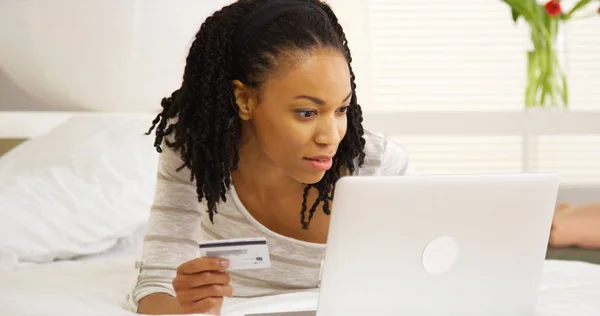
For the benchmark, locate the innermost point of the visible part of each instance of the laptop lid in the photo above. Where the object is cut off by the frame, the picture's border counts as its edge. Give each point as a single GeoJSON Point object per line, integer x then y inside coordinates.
{"type": "Point", "coordinates": [437, 245]}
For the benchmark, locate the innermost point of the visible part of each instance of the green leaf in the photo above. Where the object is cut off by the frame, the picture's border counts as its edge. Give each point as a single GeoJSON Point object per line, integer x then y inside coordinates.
{"type": "Point", "coordinates": [515, 14]}
{"type": "Point", "coordinates": [543, 16]}
{"type": "Point", "coordinates": [529, 11]}
{"type": "Point", "coordinates": [522, 8]}
{"type": "Point", "coordinates": [577, 6]}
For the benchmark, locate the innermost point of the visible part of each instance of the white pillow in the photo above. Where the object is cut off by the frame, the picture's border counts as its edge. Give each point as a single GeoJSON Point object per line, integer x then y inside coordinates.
{"type": "Point", "coordinates": [77, 189]}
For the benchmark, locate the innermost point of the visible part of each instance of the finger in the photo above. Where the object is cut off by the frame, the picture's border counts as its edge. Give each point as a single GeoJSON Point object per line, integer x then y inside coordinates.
{"type": "Point", "coordinates": [205, 292]}
{"type": "Point", "coordinates": [202, 264]}
{"type": "Point", "coordinates": [184, 282]}
{"type": "Point", "coordinates": [209, 278]}
{"type": "Point", "coordinates": [203, 278]}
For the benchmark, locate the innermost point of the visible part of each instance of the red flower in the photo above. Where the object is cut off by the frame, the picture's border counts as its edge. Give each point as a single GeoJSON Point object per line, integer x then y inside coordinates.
{"type": "Point", "coordinates": [553, 8]}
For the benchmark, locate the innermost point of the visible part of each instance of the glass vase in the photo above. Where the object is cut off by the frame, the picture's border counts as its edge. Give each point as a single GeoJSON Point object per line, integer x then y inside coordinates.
{"type": "Point", "coordinates": [546, 80]}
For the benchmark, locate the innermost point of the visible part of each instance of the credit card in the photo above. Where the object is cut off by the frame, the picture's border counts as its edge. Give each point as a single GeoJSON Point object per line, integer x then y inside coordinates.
{"type": "Point", "coordinates": [242, 253]}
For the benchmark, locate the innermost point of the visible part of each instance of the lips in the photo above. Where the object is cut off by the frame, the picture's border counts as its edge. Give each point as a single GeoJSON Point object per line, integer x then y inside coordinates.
{"type": "Point", "coordinates": [320, 158]}
{"type": "Point", "coordinates": [321, 163]}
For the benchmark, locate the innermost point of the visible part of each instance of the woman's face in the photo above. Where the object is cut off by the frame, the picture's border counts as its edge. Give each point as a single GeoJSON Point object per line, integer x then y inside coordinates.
{"type": "Point", "coordinates": [300, 117]}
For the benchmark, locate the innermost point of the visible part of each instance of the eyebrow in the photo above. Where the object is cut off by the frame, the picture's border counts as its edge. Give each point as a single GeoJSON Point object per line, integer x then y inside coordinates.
{"type": "Point", "coordinates": [319, 101]}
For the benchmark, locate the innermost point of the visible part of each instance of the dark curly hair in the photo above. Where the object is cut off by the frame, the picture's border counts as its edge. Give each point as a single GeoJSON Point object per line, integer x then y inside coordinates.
{"type": "Point", "coordinates": [202, 112]}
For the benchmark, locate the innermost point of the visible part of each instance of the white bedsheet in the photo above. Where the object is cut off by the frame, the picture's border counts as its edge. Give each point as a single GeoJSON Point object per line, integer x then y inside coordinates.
{"type": "Point", "coordinates": [97, 287]}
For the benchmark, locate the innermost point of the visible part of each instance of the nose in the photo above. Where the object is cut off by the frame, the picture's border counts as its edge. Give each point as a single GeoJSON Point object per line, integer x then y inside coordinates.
{"type": "Point", "coordinates": [328, 131]}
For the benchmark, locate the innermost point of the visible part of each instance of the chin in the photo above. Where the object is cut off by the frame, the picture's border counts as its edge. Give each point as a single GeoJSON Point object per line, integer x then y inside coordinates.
{"type": "Point", "coordinates": [310, 177]}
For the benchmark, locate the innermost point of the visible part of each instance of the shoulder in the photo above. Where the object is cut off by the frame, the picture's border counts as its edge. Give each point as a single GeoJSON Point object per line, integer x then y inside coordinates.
{"type": "Point", "coordinates": [384, 157]}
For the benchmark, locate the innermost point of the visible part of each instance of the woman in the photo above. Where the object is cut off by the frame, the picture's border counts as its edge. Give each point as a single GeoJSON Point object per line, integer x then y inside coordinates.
{"type": "Point", "coordinates": [265, 122]}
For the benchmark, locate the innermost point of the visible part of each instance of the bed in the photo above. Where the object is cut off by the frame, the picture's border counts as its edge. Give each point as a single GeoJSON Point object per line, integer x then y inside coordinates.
{"type": "Point", "coordinates": [85, 263]}
{"type": "Point", "coordinates": [96, 287]}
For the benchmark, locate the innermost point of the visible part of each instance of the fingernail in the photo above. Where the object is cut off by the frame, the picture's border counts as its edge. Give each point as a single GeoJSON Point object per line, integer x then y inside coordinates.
{"type": "Point", "coordinates": [224, 263]}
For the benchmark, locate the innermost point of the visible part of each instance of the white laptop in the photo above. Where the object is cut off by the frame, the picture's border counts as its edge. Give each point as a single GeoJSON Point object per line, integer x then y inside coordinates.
{"type": "Point", "coordinates": [436, 245]}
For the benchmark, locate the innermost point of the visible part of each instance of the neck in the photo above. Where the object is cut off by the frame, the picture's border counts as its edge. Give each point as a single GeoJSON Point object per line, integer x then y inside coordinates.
{"type": "Point", "coordinates": [272, 197]}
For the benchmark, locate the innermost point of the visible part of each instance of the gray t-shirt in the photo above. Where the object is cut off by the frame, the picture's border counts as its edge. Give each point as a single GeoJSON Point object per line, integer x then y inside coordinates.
{"type": "Point", "coordinates": [176, 226]}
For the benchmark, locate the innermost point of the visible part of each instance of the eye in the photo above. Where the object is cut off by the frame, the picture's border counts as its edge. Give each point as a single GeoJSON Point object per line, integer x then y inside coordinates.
{"type": "Point", "coordinates": [344, 109]}
{"type": "Point", "coordinates": [305, 114]}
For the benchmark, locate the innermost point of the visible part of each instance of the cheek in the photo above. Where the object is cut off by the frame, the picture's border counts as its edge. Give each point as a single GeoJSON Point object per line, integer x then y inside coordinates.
{"type": "Point", "coordinates": [294, 136]}
{"type": "Point", "coordinates": [343, 126]}
{"type": "Point", "coordinates": [282, 136]}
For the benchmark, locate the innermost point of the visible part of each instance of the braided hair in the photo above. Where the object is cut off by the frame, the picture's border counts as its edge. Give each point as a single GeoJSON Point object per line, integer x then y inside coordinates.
{"type": "Point", "coordinates": [202, 112]}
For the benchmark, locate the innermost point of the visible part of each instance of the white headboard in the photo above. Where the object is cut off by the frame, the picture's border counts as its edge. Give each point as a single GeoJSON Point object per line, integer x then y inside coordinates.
{"type": "Point", "coordinates": [27, 124]}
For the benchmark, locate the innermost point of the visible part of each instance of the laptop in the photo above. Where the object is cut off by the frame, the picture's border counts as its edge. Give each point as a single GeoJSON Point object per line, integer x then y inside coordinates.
{"type": "Point", "coordinates": [436, 245]}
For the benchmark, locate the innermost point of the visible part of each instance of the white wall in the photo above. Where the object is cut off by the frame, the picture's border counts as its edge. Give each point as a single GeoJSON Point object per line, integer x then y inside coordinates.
{"type": "Point", "coordinates": [94, 55]}
{"type": "Point", "coordinates": [99, 55]}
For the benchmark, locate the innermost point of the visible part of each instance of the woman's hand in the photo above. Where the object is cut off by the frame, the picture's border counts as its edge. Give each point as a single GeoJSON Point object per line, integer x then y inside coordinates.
{"type": "Point", "coordinates": [576, 226]}
{"type": "Point", "coordinates": [201, 284]}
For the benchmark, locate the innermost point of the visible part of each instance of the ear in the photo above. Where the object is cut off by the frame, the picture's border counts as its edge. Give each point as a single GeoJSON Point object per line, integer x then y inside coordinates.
{"type": "Point", "coordinates": [245, 99]}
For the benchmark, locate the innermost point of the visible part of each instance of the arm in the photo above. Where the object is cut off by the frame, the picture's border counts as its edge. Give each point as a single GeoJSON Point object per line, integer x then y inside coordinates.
{"type": "Point", "coordinates": [171, 238]}
{"type": "Point", "coordinates": [576, 225]}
